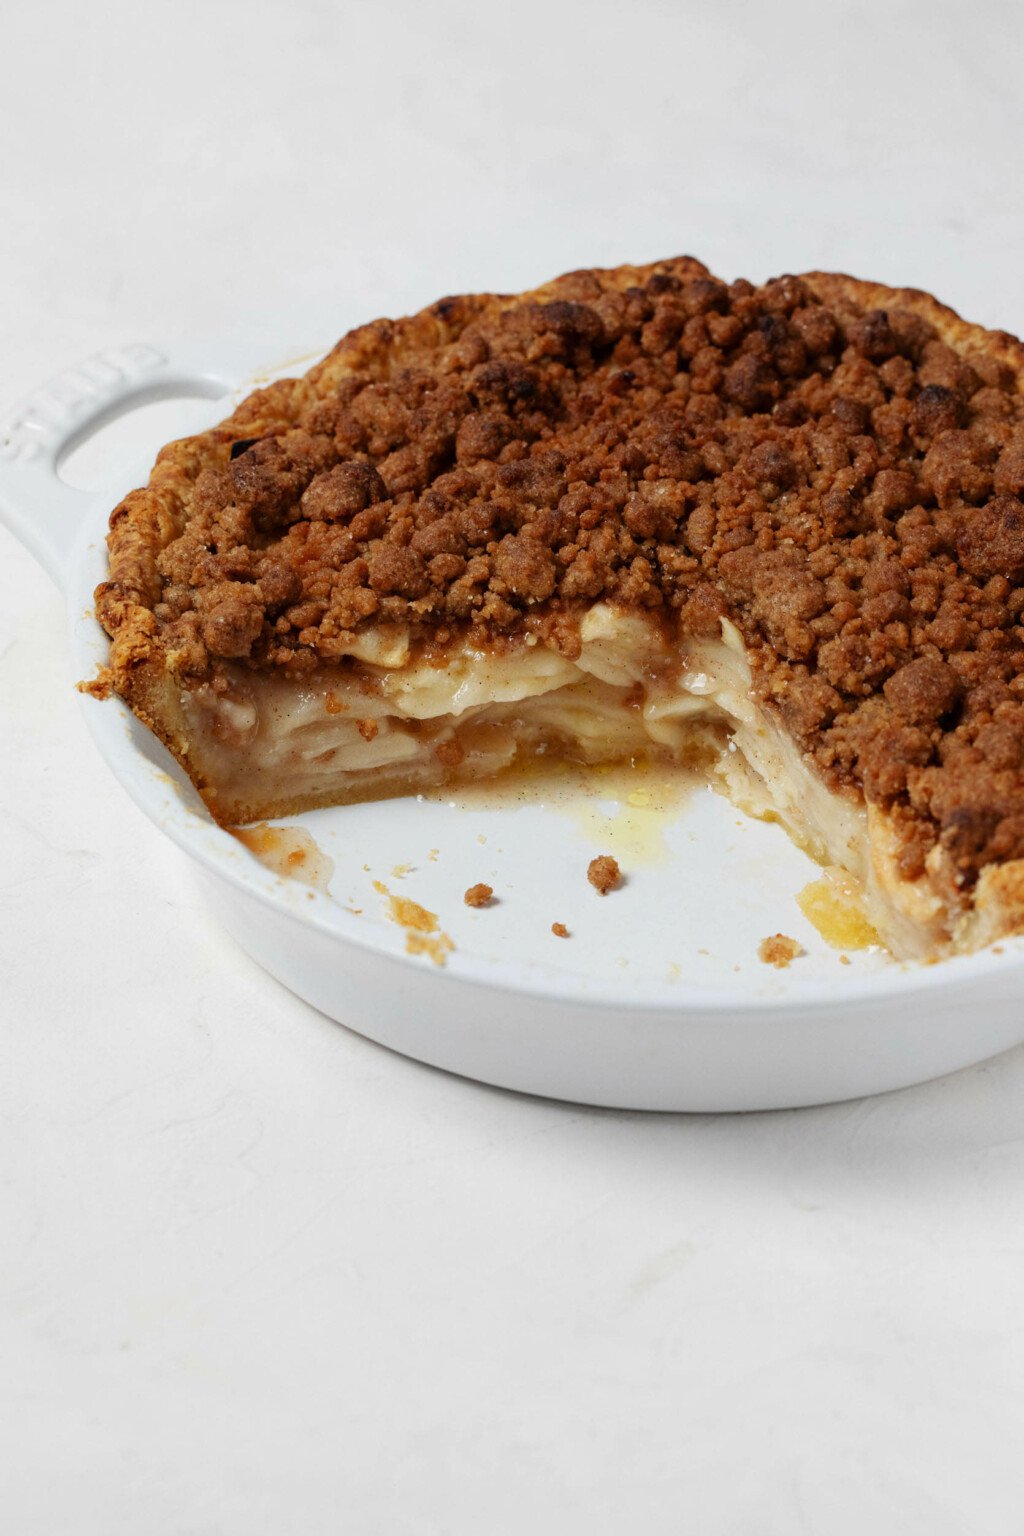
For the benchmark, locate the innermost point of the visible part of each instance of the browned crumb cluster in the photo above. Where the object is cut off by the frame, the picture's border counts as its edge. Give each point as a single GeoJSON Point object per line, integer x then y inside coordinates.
{"type": "Point", "coordinates": [559, 930]}
{"type": "Point", "coordinates": [779, 951]}
{"type": "Point", "coordinates": [478, 895]}
{"type": "Point", "coordinates": [604, 873]}
{"type": "Point", "coordinates": [842, 478]}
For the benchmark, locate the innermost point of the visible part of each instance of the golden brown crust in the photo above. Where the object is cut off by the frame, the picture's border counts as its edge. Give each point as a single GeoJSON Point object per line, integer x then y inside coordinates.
{"type": "Point", "coordinates": [838, 287]}
{"type": "Point", "coordinates": [836, 465]}
{"type": "Point", "coordinates": [148, 519]}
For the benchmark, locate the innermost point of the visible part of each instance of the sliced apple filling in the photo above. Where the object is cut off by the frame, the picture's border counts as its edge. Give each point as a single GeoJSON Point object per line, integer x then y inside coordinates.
{"type": "Point", "coordinates": [390, 723]}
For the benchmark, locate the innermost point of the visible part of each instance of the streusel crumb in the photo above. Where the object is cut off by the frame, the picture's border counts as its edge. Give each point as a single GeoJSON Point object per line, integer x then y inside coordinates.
{"type": "Point", "coordinates": [779, 951]}
{"type": "Point", "coordinates": [604, 873]}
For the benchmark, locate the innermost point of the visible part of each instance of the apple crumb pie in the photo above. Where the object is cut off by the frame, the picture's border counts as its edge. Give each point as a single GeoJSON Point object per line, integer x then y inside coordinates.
{"type": "Point", "coordinates": [777, 530]}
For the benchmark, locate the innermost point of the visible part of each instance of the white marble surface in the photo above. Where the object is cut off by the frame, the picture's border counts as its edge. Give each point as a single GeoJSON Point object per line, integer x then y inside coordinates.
{"type": "Point", "coordinates": [257, 1275]}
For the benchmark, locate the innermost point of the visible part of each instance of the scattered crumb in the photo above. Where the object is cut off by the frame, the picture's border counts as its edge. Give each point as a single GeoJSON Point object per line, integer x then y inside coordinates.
{"type": "Point", "coordinates": [401, 870]}
{"type": "Point", "coordinates": [366, 869]}
{"type": "Point", "coordinates": [99, 687]}
{"type": "Point", "coordinates": [675, 970]}
{"type": "Point", "coordinates": [436, 947]}
{"type": "Point", "coordinates": [997, 949]}
{"type": "Point", "coordinates": [356, 911]}
{"type": "Point", "coordinates": [845, 960]}
{"type": "Point", "coordinates": [480, 838]}
{"type": "Point", "coordinates": [478, 896]}
{"type": "Point", "coordinates": [422, 936]}
{"type": "Point", "coordinates": [432, 855]}
{"type": "Point", "coordinates": [604, 873]}
{"type": "Point", "coordinates": [779, 950]}
{"type": "Point", "coordinates": [411, 915]}
{"type": "Point", "coordinates": [559, 930]}
{"type": "Point", "coordinates": [703, 951]}
{"type": "Point", "coordinates": [367, 729]}
{"type": "Point", "coordinates": [289, 852]}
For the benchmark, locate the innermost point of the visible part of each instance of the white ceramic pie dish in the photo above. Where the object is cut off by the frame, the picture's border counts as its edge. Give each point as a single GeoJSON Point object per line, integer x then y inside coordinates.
{"type": "Point", "coordinates": [658, 1000]}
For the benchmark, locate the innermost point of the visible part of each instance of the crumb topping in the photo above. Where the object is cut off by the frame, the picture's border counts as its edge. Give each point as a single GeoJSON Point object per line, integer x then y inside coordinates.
{"type": "Point", "coordinates": [779, 951]}
{"type": "Point", "coordinates": [604, 873]}
{"type": "Point", "coordinates": [478, 896]}
{"type": "Point", "coordinates": [844, 482]}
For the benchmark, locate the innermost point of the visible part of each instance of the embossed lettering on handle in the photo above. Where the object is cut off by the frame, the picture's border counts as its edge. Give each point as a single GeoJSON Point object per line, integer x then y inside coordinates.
{"type": "Point", "coordinates": [41, 424]}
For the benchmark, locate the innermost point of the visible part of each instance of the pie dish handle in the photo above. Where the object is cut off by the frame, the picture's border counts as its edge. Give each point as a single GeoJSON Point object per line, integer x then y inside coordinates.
{"type": "Point", "coordinates": [40, 508]}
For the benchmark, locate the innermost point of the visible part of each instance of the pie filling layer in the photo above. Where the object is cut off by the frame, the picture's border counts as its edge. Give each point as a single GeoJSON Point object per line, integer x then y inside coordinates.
{"type": "Point", "coordinates": [396, 725]}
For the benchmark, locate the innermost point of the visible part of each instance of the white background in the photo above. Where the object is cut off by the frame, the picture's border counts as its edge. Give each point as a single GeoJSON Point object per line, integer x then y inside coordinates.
{"type": "Point", "coordinates": [257, 1275]}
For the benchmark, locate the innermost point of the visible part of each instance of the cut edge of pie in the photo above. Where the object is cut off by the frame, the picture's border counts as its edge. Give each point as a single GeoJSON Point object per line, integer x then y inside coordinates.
{"type": "Point", "coordinates": [391, 714]}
